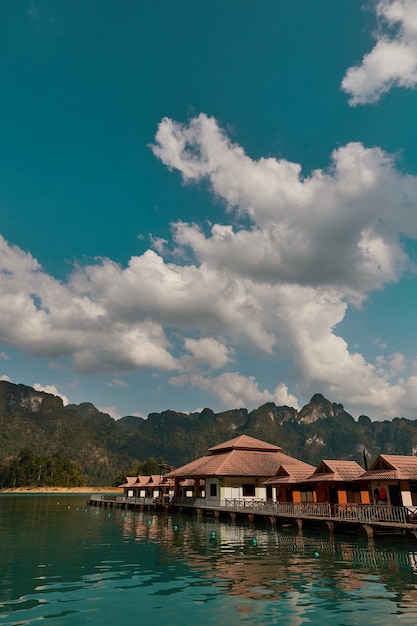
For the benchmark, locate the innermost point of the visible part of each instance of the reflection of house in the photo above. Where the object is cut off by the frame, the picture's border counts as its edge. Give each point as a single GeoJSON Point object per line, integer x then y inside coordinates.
{"type": "Point", "coordinates": [235, 469]}
{"type": "Point", "coordinates": [392, 480]}
{"type": "Point", "coordinates": [335, 482]}
{"type": "Point", "coordinates": [151, 486]}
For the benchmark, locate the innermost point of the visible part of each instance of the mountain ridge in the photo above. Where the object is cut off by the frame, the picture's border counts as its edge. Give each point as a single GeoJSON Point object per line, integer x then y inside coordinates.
{"type": "Point", "coordinates": [103, 447]}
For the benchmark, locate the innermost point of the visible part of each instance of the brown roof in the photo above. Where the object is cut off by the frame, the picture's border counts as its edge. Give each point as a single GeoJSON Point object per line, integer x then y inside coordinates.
{"type": "Point", "coordinates": [242, 456]}
{"type": "Point", "coordinates": [151, 480]}
{"type": "Point", "coordinates": [292, 471]}
{"type": "Point", "coordinates": [244, 442]}
{"type": "Point", "coordinates": [336, 471]}
{"type": "Point", "coordinates": [392, 467]}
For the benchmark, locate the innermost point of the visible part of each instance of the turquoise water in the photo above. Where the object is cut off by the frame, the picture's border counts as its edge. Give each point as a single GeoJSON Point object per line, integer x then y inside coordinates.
{"type": "Point", "coordinates": [68, 563]}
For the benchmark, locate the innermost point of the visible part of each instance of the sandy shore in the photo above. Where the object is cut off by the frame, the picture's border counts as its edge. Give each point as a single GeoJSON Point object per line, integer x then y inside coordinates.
{"type": "Point", "coordinates": [63, 490]}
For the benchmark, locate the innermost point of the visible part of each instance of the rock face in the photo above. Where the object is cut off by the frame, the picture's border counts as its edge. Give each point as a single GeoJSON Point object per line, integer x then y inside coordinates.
{"type": "Point", "coordinates": [319, 408]}
{"type": "Point", "coordinates": [103, 447]}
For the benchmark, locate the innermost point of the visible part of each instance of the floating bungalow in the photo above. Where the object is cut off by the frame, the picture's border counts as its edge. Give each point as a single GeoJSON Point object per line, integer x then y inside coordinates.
{"type": "Point", "coordinates": [336, 482]}
{"type": "Point", "coordinates": [249, 477]}
{"type": "Point", "coordinates": [151, 486]}
{"type": "Point", "coordinates": [237, 470]}
{"type": "Point", "coordinates": [392, 480]}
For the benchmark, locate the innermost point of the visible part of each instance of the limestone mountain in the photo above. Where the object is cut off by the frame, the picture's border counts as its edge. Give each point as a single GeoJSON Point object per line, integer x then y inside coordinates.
{"type": "Point", "coordinates": [103, 447]}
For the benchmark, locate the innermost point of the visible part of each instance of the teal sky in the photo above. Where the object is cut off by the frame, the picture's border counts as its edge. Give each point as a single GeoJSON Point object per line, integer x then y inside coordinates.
{"type": "Point", "coordinates": [210, 203]}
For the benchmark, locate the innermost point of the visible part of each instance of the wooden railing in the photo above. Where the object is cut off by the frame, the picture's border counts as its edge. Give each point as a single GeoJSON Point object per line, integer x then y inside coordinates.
{"type": "Point", "coordinates": [281, 509]}
{"type": "Point", "coordinates": [361, 513]}
{"type": "Point", "coordinates": [368, 513]}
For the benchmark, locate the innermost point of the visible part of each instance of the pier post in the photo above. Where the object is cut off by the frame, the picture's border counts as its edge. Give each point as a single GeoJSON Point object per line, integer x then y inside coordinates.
{"type": "Point", "coordinates": [327, 525]}
{"type": "Point", "coordinates": [368, 530]}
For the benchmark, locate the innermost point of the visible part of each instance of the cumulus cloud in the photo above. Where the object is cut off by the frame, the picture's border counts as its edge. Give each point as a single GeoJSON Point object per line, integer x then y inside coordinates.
{"type": "Point", "coordinates": [51, 389]}
{"type": "Point", "coordinates": [393, 60]}
{"type": "Point", "coordinates": [277, 282]}
{"type": "Point", "coordinates": [235, 390]}
{"type": "Point", "coordinates": [339, 227]}
{"type": "Point", "coordinates": [208, 351]}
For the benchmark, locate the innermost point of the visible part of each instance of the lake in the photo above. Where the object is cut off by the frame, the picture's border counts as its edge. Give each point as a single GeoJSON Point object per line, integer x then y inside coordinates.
{"type": "Point", "coordinates": [71, 564]}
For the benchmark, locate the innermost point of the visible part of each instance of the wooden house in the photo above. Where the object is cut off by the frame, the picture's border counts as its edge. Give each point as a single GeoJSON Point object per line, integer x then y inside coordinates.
{"type": "Point", "coordinates": [336, 482]}
{"type": "Point", "coordinates": [392, 480]}
{"type": "Point", "coordinates": [234, 470]}
{"type": "Point", "coordinates": [286, 484]}
{"type": "Point", "coordinates": [151, 486]}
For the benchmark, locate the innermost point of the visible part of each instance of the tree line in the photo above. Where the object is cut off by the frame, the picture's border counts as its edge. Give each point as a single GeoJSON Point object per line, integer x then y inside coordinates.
{"type": "Point", "coordinates": [30, 470]}
{"type": "Point", "coordinates": [27, 469]}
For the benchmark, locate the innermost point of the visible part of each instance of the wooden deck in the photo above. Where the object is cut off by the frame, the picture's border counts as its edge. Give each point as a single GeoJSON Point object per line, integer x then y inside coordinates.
{"type": "Point", "coordinates": [371, 520]}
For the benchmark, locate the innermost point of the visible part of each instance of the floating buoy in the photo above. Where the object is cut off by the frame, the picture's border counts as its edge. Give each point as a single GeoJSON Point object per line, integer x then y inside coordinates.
{"type": "Point", "coordinates": [316, 554]}
{"type": "Point", "coordinates": [108, 514]}
{"type": "Point", "coordinates": [254, 542]}
{"type": "Point", "coordinates": [175, 527]}
{"type": "Point", "coordinates": [213, 534]}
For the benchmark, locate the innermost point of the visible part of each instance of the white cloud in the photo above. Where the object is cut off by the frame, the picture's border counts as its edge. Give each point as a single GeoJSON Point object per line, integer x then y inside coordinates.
{"type": "Point", "coordinates": [393, 60]}
{"type": "Point", "coordinates": [208, 351]}
{"type": "Point", "coordinates": [277, 283]}
{"type": "Point", "coordinates": [6, 378]}
{"type": "Point", "coordinates": [110, 410]}
{"type": "Point", "coordinates": [4, 355]}
{"type": "Point", "coordinates": [235, 390]}
{"type": "Point", "coordinates": [51, 389]}
{"type": "Point", "coordinates": [338, 227]}
{"type": "Point", "coordinates": [116, 383]}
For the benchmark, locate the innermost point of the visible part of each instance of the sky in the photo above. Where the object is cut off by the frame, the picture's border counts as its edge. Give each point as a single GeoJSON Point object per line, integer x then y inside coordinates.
{"type": "Point", "coordinates": [210, 204]}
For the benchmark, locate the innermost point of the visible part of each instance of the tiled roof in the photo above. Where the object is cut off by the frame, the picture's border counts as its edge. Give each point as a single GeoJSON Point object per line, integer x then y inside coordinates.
{"type": "Point", "coordinates": [336, 471]}
{"type": "Point", "coordinates": [244, 442]}
{"type": "Point", "coordinates": [234, 463]}
{"type": "Point", "coordinates": [291, 471]}
{"type": "Point", "coordinates": [392, 467]}
{"type": "Point", "coordinates": [151, 480]}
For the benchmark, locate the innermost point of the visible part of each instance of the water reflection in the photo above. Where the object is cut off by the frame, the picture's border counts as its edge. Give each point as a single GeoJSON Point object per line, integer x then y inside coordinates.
{"type": "Point", "coordinates": [61, 558]}
{"type": "Point", "coordinates": [255, 562]}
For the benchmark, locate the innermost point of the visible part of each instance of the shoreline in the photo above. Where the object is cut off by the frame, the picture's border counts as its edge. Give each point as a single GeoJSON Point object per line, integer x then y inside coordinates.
{"type": "Point", "coordinates": [62, 490]}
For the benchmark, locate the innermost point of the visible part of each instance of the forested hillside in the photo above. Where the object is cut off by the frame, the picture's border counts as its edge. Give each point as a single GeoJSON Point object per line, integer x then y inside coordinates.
{"type": "Point", "coordinates": [103, 448]}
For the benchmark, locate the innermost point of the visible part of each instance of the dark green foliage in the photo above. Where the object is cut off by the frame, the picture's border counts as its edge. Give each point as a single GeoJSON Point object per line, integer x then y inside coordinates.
{"type": "Point", "coordinates": [103, 447]}
{"type": "Point", "coordinates": [148, 467]}
{"type": "Point", "coordinates": [29, 470]}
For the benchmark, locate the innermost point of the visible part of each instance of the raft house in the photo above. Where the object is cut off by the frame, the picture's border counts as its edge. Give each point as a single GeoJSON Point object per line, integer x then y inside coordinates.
{"type": "Point", "coordinates": [246, 478]}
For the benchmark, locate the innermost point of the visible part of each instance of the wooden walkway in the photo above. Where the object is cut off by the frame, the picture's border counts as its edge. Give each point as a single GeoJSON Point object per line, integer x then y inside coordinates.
{"type": "Point", "coordinates": [371, 520]}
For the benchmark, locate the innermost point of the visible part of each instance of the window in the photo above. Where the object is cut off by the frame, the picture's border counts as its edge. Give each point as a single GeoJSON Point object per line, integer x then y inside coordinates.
{"type": "Point", "coordinates": [213, 490]}
{"type": "Point", "coordinates": [353, 493]}
{"type": "Point", "coordinates": [413, 490]}
{"type": "Point", "coordinates": [248, 490]}
{"type": "Point", "coordinates": [307, 496]}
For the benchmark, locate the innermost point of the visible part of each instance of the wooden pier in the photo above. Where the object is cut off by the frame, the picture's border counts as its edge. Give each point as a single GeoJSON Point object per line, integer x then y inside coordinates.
{"type": "Point", "coordinates": [365, 519]}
